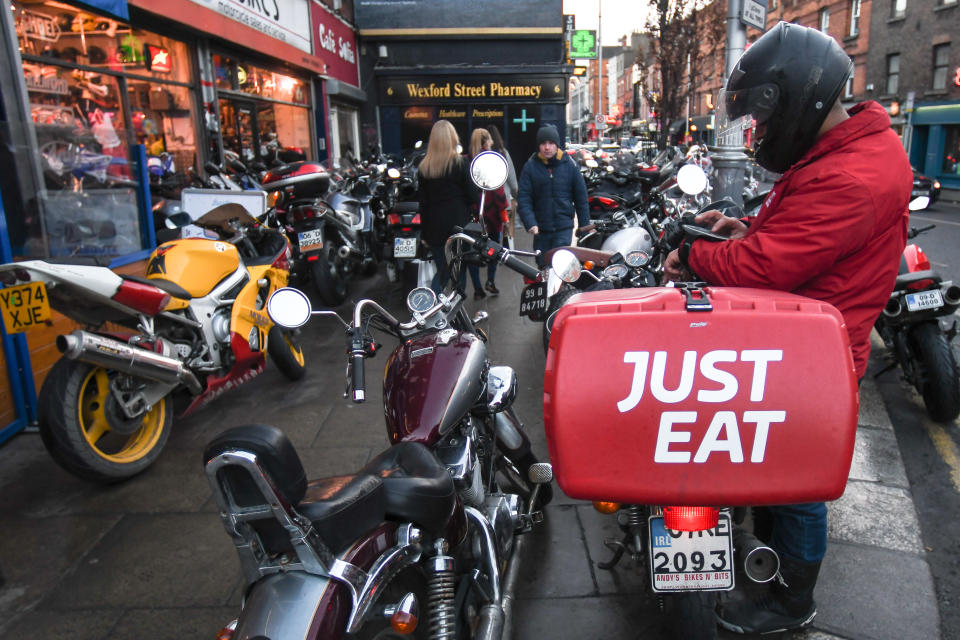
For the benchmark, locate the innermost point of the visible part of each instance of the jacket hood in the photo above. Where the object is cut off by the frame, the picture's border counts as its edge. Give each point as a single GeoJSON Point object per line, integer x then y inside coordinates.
{"type": "Point", "coordinates": [866, 118]}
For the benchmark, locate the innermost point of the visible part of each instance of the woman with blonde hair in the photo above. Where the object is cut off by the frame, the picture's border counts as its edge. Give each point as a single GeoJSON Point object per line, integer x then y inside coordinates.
{"type": "Point", "coordinates": [446, 196]}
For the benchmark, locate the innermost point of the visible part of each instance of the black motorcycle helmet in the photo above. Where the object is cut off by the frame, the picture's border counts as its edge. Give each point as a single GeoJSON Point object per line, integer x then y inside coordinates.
{"type": "Point", "coordinates": [788, 79]}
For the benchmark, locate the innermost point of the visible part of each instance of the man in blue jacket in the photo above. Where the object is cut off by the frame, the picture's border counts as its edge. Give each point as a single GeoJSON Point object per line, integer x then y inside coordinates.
{"type": "Point", "coordinates": [551, 188]}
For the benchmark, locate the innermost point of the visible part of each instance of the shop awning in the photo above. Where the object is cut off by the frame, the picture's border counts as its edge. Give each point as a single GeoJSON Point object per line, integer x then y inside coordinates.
{"type": "Point", "coordinates": [115, 8]}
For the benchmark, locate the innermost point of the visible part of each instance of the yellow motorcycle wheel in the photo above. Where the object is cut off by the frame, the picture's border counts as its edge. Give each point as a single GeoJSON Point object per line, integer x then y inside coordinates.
{"type": "Point", "coordinates": [85, 431]}
{"type": "Point", "coordinates": [286, 352]}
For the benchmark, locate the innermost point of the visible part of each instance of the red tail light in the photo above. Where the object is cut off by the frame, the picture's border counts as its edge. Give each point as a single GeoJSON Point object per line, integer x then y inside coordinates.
{"type": "Point", "coordinates": [607, 202]}
{"type": "Point", "coordinates": [690, 518]}
{"type": "Point", "coordinates": [304, 213]}
{"type": "Point", "coordinates": [393, 218]}
{"type": "Point", "coordinates": [923, 262]}
{"type": "Point", "coordinates": [406, 229]}
{"type": "Point", "coordinates": [416, 219]}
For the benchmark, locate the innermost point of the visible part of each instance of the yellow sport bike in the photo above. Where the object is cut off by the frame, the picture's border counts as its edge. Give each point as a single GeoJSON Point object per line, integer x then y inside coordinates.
{"type": "Point", "coordinates": [196, 324]}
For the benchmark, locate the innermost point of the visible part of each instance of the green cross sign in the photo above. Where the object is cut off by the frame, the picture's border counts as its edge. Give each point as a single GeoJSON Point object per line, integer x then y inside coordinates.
{"type": "Point", "coordinates": [523, 120]}
{"type": "Point", "coordinates": [583, 44]}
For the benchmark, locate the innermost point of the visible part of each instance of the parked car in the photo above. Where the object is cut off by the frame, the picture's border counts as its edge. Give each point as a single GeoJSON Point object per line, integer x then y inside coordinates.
{"type": "Point", "coordinates": [924, 186]}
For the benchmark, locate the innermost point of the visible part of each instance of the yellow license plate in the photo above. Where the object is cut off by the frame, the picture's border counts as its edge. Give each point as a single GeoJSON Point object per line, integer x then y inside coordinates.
{"type": "Point", "coordinates": [24, 307]}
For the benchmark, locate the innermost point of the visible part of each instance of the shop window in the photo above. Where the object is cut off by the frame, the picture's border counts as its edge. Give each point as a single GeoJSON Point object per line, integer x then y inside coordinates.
{"type": "Point", "coordinates": [854, 17]}
{"type": "Point", "coordinates": [898, 8]}
{"type": "Point", "coordinates": [941, 63]}
{"type": "Point", "coordinates": [346, 144]}
{"type": "Point", "coordinates": [225, 72]}
{"type": "Point", "coordinates": [267, 84]}
{"type": "Point", "coordinates": [893, 74]}
{"type": "Point", "coordinates": [951, 153]}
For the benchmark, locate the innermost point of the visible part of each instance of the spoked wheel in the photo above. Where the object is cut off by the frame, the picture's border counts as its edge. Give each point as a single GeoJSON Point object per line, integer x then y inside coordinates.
{"type": "Point", "coordinates": [939, 380]}
{"type": "Point", "coordinates": [86, 431]}
{"type": "Point", "coordinates": [330, 281]}
{"type": "Point", "coordinates": [691, 615]}
{"type": "Point", "coordinates": [286, 353]}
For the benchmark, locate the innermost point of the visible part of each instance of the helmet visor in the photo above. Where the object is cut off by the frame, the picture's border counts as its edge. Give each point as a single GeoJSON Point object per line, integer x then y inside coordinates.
{"type": "Point", "coordinates": [759, 101]}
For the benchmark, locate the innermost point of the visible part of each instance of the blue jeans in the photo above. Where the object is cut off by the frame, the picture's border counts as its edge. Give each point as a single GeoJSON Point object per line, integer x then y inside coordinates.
{"type": "Point", "coordinates": [443, 272]}
{"type": "Point", "coordinates": [546, 240]}
{"type": "Point", "coordinates": [800, 531]}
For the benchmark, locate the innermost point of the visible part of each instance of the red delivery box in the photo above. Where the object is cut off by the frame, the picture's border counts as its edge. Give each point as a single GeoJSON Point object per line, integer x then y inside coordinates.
{"type": "Point", "coordinates": [713, 396]}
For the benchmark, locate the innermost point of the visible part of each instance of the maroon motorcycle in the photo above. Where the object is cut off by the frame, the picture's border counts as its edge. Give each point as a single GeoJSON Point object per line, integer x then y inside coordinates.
{"type": "Point", "coordinates": [432, 522]}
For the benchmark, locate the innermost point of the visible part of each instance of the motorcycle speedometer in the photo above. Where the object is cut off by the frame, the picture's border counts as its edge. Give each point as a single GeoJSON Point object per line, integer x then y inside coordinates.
{"type": "Point", "coordinates": [421, 299]}
{"type": "Point", "coordinates": [637, 258]}
{"type": "Point", "coordinates": [615, 271]}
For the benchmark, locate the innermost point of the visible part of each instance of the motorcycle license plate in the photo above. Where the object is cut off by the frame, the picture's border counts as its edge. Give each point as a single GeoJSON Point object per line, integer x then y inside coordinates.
{"type": "Point", "coordinates": [691, 561]}
{"type": "Point", "coordinates": [312, 239]}
{"type": "Point", "coordinates": [924, 300]}
{"type": "Point", "coordinates": [404, 247]}
{"type": "Point", "coordinates": [24, 307]}
{"type": "Point", "coordinates": [533, 299]}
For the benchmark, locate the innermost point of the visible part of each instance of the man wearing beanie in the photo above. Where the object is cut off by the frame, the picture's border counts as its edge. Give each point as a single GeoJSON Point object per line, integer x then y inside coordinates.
{"type": "Point", "coordinates": [551, 192]}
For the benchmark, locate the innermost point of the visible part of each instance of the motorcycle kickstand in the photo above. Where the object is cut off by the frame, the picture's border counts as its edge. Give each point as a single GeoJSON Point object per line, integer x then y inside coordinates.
{"type": "Point", "coordinates": [619, 547]}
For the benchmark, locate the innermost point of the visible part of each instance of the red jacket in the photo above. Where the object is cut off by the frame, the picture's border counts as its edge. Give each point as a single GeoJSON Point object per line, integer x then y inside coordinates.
{"type": "Point", "coordinates": [832, 228]}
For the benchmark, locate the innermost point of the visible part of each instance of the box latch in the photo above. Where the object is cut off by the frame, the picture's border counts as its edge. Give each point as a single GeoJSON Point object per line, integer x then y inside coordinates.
{"type": "Point", "coordinates": [697, 298]}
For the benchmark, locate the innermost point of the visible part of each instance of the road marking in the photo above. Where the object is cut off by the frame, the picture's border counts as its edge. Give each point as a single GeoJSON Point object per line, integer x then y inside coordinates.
{"type": "Point", "coordinates": [939, 221]}
{"type": "Point", "coordinates": [947, 449]}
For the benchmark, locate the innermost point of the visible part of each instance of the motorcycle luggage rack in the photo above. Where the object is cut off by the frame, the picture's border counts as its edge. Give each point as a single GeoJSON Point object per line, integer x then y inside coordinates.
{"type": "Point", "coordinates": [696, 296]}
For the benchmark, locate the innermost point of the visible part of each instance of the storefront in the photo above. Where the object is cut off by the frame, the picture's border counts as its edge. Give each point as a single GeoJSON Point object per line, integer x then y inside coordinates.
{"type": "Point", "coordinates": [517, 103]}
{"type": "Point", "coordinates": [935, 142]}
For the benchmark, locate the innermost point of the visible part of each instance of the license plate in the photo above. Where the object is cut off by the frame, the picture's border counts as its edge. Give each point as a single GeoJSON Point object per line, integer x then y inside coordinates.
{"type": "Point", "coordinates": [691, 560]}
{"type": "Point", "coordinates": [533, 299]}
{"type": "Point", "coordinates": [404, 247]}
{"type": "Point", "coordinates": [24, 307]}
{"type": "Point", "coordinates": [924, 300]}
{"type": "Point", "coordinates": [310, 239]}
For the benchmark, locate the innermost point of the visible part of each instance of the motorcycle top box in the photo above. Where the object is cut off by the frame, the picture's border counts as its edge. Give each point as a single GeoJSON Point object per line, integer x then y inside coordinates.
{"type": "Point", "coordinates": [298, 180]}
{"type": "Point", "coordinates": [722, 396]}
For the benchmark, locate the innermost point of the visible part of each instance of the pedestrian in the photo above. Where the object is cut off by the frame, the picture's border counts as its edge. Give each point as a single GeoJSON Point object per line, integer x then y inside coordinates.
{"type": "Point", "coordinates": [833, 228]}
{"type": "Point", "coordinates": [551, 192]}
{"type": "Point", "coordinates": [494, 212]}
{"type": "Point", "coordinates": [447, 197]}
{"type": "Point", "coordinates": [510, 187]}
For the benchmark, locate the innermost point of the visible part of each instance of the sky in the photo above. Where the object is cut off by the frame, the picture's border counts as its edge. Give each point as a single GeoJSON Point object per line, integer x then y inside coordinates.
{"type": "Point", "coordinates": [620, 17]}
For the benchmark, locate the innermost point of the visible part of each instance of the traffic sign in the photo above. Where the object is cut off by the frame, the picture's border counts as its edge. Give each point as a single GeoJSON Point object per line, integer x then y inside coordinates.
{"type": "Point", "coordinates": [601, 119]}
{"type": "Point", "coordinates": [583, 44]}
{"type": "Point", "coordinates": [754, 14]}
{"type": "Point", "coordinates": [579, 71]}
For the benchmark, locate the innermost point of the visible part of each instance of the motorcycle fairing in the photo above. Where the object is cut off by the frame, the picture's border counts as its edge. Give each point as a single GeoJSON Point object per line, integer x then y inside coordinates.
{"type": "Point", "coordinates": [196, 264]}
{"type": "Point", "coordinates": [247, 365]}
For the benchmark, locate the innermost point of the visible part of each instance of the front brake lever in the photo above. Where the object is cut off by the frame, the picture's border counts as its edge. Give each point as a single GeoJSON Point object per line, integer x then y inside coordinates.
{"type": "Point", "coordinates": [695, 231]}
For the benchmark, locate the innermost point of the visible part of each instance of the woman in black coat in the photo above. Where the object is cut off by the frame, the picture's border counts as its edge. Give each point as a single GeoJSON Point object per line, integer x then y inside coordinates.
{"type": "Point", "coordinates": [447, 197]}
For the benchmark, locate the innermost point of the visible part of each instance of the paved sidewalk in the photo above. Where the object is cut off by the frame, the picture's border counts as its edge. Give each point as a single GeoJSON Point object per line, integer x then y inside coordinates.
{"type": "Point", "coordinates": [149, 558]}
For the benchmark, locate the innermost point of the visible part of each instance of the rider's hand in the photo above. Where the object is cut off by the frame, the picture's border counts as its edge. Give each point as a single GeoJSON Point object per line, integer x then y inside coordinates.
{"type": "Point", "coordinates": [534, 230]}
{"type": "Point", "coordinates": [673, 268]}
{"type": "Point", "coordinates": [724, 225]}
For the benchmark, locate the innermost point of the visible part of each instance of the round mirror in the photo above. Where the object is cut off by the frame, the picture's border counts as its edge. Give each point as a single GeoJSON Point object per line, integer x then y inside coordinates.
{"type": "Point", "coordinates": [918, 203]}
{"type": "Point", "coordinates": [489, 170]}
{"type": "Point", "coordinates": [289, 307]}
{"type": "Point", "coordinates": [418, 144]}
{"type": "Point", "coordinates": [566, 265]}
{"type": "Point", "coordinates": [692, 179]}
{"type": "Point", "coordinates": [393, 172]}
{"type": "Point", "coordinates": [592, 163]}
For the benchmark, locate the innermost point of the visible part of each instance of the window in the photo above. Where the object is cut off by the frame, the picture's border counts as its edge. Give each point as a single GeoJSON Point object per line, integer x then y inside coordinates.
{"type": "Point", "coordinates": [855, 17]}
{"type": "Point", "coordinates": [946, 3]}
{"type": "Point", "coordinates": [898, 8]}
{"type": "Point", "coordinates": [848, 86]}
{"type": "Point", "coordinates": [825, 19]}
{"type": "Point", "coordinates": [941, 60]}
{"type": "Point", "coordinates": [951, 150]}
{"type": "Point", "coordinates": [773, 4]}
{"type": "Point", "coordinates": [893, 74]}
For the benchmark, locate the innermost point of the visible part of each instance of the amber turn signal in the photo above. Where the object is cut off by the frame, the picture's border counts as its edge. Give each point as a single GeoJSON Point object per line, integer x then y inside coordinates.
{"type": "Point", "coordinates": [607, 507]}
{"type": "Point", "coordinates": [403, 623]}
{"type": "Point", "coordinates": [588, 265]}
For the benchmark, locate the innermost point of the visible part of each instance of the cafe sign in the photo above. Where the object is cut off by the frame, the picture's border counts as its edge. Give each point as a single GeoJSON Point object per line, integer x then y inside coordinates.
{"type": "Point", "coordinates": [478, 89]}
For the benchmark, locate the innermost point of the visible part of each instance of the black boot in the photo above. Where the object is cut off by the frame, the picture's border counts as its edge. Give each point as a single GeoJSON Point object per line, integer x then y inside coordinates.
{"type": "Point", "coordinates": [785, 606]}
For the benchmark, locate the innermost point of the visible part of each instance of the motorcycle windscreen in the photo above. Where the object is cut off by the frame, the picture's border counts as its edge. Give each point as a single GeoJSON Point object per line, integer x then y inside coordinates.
{"type": "Point", "coordinates": [752, 402]}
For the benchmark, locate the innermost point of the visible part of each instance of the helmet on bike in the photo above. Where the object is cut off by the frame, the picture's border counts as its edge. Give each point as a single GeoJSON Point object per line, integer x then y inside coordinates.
{"type": "Point", "coordinates": [787, 80]}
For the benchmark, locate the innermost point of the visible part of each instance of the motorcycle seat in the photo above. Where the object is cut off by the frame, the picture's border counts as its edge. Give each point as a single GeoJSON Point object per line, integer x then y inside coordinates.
{"type": "Point", "coordinates": [406, 207]}
{"type": "Point", "coordinates": [169, 286]}
{"type": "Point", "coordinates": [905, 279]}
{"type": "Point", "coordinates": [418, 487]}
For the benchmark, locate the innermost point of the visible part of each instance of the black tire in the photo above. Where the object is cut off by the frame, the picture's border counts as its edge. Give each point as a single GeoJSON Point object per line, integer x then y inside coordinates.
{"type": "Point", "coordinates": [79, 425]}
{"type": "Point", "coordinates": [330, 282]}
{"type": "Point", "coordinates": [691, 615]}
{"type": "Point", "coordinates": [559, 299]}
{"type": "Point", "coordinates": [938, 378]}
{"type": "Point", "coordinates": [286, 352]}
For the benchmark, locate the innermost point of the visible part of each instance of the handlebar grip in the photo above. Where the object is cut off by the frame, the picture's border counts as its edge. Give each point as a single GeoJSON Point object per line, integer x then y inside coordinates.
{"type": "Point", "coordinates": [359, 385]}
{"type": "Point", "coordinates": [521, 267]}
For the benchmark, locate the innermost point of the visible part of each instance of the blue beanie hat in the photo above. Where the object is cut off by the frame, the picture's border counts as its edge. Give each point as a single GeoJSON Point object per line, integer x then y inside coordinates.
{"type": "Point", "coordinates": [548, 132]}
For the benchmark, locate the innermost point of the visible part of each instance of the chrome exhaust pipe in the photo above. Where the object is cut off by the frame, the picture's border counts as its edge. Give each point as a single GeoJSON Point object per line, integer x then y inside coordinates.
{"type": "Point", "coordinates": [345, 252]}
{"type": "Point", "coordinates": [107, 352]}
{"type": "Point", "coordinates": [893, 308]}
{"type": "Point", "coordinates": [760, 562]}
{"type": "Point", "coordinates": [951, 295]}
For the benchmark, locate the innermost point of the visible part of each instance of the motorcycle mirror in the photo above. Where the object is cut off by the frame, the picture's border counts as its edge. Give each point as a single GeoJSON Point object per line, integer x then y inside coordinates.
{"type": "Point", "coordinates": [418, 144]}
{"type": "Point", "coordinates": [289, 308]}
{"type": "Point", "coordinates": [918, 203]}
{"type": "Point", "coordinates": [691, 179]}
{"type": "Point", "coordinates": [592, 163]}
{"type": "Point", "coordinates": [393, 172]}
{"type": "Point", "coordinates": [566, 265]}
{"type": "Point", "coordinates": [488, 170]}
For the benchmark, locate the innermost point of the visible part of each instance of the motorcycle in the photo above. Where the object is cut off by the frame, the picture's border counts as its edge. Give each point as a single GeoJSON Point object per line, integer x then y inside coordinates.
{"type": "Point", "coordinates": [195, 324]}
{"type": "Point", "coordinates": [433, 522]}
{"type": "Point", "coordinates": [911, 330]}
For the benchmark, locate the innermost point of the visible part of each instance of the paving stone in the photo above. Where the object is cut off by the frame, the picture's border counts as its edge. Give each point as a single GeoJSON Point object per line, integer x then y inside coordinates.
{"type": "Point", "coordinates": [872, 514]}
{"type": "Point", "coordinates": [173, 624]}
{"type": "Point", "coordinates": [555, 564]}
{"type": "Point", "coordinates": [876, 458]}
{"type": "Point", "coordinates": [75, 625]}
{"type": "Point", "coordinates": [579, 618]}
{"type": "Point", "coordinates": [872, 410]}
